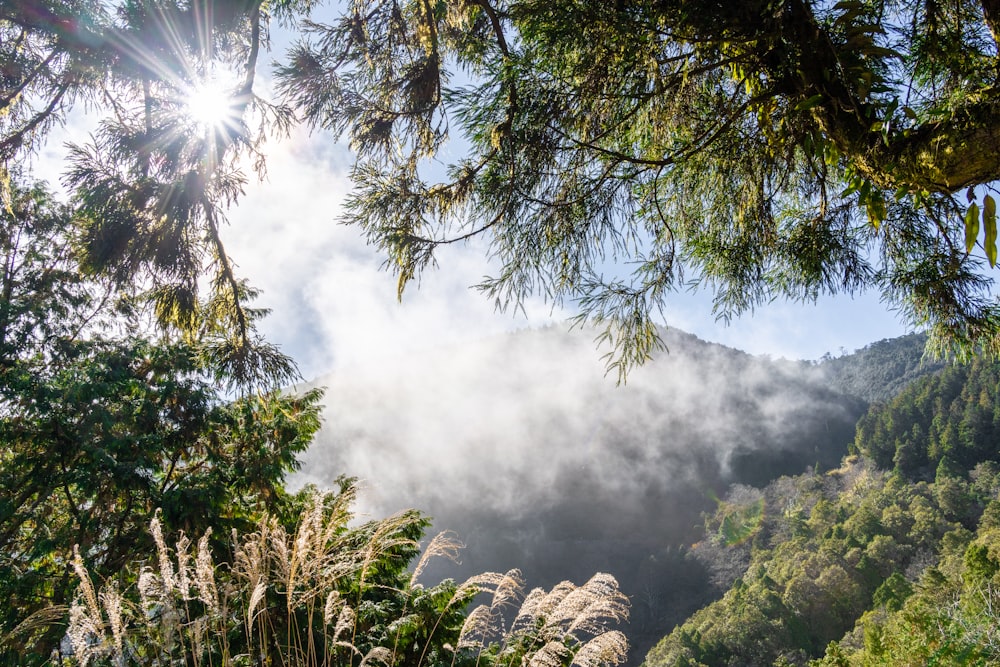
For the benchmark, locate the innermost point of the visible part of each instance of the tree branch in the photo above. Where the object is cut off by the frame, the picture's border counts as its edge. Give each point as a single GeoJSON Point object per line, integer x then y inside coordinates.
{"type": "Point", "coordinates": [10, 144]}
{"type": "Point", "coordinates": [944, 156]}
{"type": "Point", "coordinates": [8, 99]}
{"type": "Point", "coordinates": [940, 156]}
{"type": "Point", "coordinates": [227, 271]}
{"type": "Point", "coordinates": [991, 12]}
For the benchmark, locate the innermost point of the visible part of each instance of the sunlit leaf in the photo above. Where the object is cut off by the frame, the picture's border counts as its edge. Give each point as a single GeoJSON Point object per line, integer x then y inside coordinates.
{"type": "Point", "coordinates": [971, 226]}
{"type": "Point", "coordinates": [990, 225]}
{"type": "Point", "coordinates": [876, 209]}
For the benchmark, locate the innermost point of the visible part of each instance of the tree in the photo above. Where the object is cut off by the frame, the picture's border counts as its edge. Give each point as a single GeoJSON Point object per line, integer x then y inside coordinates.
{"type": "Point", "coordinates": [124, 387]}
{"type": "Point", "coordinates": [152, 186]}
{"type": "Point", "coordinates": [762, 149]}
{"type": "Point", "coordinates": [99, 428]}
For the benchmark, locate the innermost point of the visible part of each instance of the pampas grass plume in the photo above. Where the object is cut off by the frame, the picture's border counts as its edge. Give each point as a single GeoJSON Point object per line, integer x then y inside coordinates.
{"type": "Point", "coordinates": [313, 586]}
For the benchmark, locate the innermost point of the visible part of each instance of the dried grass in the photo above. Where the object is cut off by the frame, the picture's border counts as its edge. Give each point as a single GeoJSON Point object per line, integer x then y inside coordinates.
{"type": "Point", "coordinates": [295, 599]}
{"type": "Point", "coordinates": [444, 545]}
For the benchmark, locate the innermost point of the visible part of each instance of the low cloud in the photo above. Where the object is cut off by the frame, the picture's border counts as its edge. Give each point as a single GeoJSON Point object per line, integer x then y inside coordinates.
{"type": "Point", "coordinates": [333, 304]}
{"type": "Point", "coordinates": [527, 427]}
{"type": "Point", "coordinates": [520, 444]}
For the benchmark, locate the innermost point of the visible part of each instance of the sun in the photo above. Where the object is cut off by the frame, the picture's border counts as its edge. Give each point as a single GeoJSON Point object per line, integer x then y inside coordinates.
{"type": "Point", "coordinates": [209, 112]}
{"type": "Point", "coordinates": [209, 104]}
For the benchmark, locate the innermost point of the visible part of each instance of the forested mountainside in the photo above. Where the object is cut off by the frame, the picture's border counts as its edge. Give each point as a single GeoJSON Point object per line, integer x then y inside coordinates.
{"type": "Point", "coordinates": [891, 559]}
{"type": "Point", "coordinates": [879, 371]}
{"type": "Point", "coordinates": [538, 461]}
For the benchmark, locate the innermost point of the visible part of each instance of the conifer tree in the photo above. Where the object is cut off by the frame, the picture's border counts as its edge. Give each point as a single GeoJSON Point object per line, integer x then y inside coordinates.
{"type": "Point", "coordinates": [152, 185]}
{"type": "Point", "coordinates": [613, 152]}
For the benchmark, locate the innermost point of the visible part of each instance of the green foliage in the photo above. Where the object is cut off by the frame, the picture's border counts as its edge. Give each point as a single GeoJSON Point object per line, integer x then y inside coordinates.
{"type": "Point", "coordinates": [893, 592]}
{"type": "Point", "coordinates": [989, 218]}
{"type": "Point", "coordinates": [151, 189]}
{"type": "Point", "coordinates": [762, 150]}
{"type": "Point", "coordinates": [740, 523]}
{"type": "Point", "coordinates": [840, 544]}
{"type": "Point", "coordinates": [609, 154]}
{"type": "Point", "coordinates": [948, 617]}
{"type": "Point", "coordinates": [99, 428]}
{"type": "Point", "coordinates": [941, 425]}
{"type": "Point", "coordinates": [890, 560]}
{"type": "Point", "coordinates": [882, 369]}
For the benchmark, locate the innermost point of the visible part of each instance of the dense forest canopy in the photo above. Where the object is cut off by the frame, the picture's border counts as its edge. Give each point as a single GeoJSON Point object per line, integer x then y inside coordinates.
{"type": "Point", "coordinates": [891, 559]}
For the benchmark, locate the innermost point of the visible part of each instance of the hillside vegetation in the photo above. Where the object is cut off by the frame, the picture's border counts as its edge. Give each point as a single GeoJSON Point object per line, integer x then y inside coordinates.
{"type": "Point", "coordinates": [891, 559]}
{"type": "Point", "coordinates": [882, 369]}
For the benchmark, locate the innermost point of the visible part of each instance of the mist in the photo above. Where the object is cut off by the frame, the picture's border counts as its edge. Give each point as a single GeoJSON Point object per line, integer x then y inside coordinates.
{"type": "Point", "coordinates": [521, 445]}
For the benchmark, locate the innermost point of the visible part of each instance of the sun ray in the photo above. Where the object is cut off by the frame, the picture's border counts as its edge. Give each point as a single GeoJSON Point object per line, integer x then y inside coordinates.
{"type": "Point", "coordinates": [210, 104]}
{"type": "Point", "coordinates": [194, 96]}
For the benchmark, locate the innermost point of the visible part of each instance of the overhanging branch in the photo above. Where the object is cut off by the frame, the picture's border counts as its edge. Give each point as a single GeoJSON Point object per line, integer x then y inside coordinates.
{"type": "Point", "coordinates": [944, 156]}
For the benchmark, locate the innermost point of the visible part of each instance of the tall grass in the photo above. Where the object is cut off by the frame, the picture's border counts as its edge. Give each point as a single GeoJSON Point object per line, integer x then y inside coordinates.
{"type": "Point", "coordinates": [331, 594]}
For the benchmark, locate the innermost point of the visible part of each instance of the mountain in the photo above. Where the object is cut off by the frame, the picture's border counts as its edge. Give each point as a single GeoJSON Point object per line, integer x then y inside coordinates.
{"type": "Point", "coordinates": [891, 559]}
{"type": "Point", "coordinates": [881, 370]}
{"type": "Point", "coordinates": [523, 447]}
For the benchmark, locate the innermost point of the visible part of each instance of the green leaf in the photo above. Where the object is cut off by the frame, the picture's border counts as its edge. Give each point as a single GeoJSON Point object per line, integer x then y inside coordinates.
{"type": "Point", "coordinates": [891, 109]}
{"type": "Point", "coordinates": [851, 188]}
{"type": "Point", "coordinates": [971, 226]}
{"type": "Point", "coordinates": [813, 101]}
{"type": "Point", "coordinates": [990, 223]}
{"type": "Point", "coordinates": [876, 209]}
{"type": "Point", "coordinates": [864, 191]}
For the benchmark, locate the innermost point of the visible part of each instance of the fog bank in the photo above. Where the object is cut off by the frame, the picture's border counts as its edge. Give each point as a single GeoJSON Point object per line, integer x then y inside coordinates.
{"type": "Point", "coordinates": [521, 445]}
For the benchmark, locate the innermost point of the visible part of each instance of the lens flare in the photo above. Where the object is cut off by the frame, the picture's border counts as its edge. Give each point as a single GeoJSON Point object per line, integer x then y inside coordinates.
{"type": "Point", "coordinates": [209, 105]}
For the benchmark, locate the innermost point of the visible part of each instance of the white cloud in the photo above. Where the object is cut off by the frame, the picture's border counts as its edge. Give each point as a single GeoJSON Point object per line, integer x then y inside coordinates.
{"type": "Point", "coordinates": [528, 426]}
{"type": "Point", "coordinates": [332, 304]}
